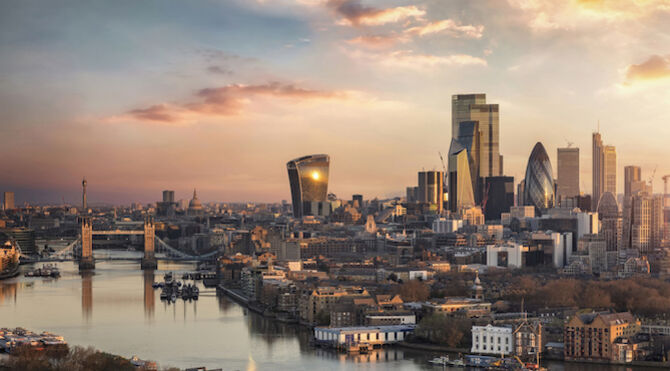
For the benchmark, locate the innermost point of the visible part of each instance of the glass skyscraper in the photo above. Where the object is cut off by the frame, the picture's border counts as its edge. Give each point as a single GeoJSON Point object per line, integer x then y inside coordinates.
{"type": "Point", "coordinates": [482, 138]}
{"type": "Point", "coordinates": [567, 183]}
{"type": "Point", "coordinates": [539, 180]}
{"type": "Point", "coordinates": [460, 182]}
{"type": "Point", "coordinates": [308, 177]}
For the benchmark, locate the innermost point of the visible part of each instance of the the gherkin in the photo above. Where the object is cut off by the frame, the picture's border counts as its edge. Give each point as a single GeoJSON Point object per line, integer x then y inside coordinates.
{"type": "Point", "coordinates": [539, 188]}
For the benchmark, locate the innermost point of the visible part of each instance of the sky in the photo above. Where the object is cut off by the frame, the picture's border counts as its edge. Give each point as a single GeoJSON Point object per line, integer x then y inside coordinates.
{"type": "Point", "coordinates": [141, 96]}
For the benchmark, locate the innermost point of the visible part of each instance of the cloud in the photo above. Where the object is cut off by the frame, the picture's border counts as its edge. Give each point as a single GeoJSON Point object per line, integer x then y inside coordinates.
{"type": "Point", "coordinates": [449, 26]}
{"type": "Point", "coordinates": [545, 15]}
{"type": "Point", "coordinates": [229, 100]}
{"type": "Point", "coordinates": [378, 41]}
{"type": "Point", "coordinates": [219, 70]}
{"type": "Point", "coordinates": [407, 59]}
{"type": "Point", "coordinates": [656, 67]}
{"type": "Point", "coordinates": [353, 13]}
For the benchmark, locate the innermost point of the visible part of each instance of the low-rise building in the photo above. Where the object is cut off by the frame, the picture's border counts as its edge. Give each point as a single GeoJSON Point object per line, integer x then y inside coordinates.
{"type": "Point", "coordinates": [492, 340]}
{"type": "Point", "coordinates": [592, 336]}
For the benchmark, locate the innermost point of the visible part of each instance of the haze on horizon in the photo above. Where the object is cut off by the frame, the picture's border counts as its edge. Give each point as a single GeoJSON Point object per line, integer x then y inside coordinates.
{"type": "Point", "coordinates": [219, 95]}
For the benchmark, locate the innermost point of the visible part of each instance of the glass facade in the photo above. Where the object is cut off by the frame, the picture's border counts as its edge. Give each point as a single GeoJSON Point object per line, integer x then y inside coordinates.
{"type": "Point", "coordinates": [431, 188]}
{"type": "Point", "coordinates": [539, 181]}
{"type": "Point", "coordinates": [499, 196]}
{"type": "Point", "coordinates": [567, 184]}
{"type": "Point", "coordinates": [476, 125]}
{"type": "Point", "coordinates": [308, 178]}
{"type": "Point", "coordinates": [460, 182]}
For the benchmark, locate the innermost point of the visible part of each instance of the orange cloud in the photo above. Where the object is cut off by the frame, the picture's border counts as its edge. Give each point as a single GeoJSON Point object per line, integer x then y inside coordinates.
{"type": "Point", "coordinates": [409, 60]}
{"type": "Point", "coordinates": [353, 13]}
{"type": "Point", "coordinates": [223, 101]}
{"type": "Point", "coordinates": [378, 41]}
{"type": "Point", "coordinates": [543, 15]}
{"type": "Point", "coordinates": [449, 26]}
{"type": "Point", "coordinates": [656, 67]}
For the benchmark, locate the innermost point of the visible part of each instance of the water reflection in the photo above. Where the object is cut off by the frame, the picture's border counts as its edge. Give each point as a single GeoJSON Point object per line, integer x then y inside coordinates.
{"type": "Point", "coordinates": [149, 297]}
{"type": "Point", "coordinates": [87, 294]}
{"type": "Point", "coordinates": [8, 291]}
{"type": "Point", "coordinates": [214, 331]}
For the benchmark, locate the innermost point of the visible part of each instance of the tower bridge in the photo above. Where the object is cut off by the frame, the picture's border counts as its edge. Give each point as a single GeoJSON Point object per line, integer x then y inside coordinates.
{"type": "Point", "coordinates": [82, 247]}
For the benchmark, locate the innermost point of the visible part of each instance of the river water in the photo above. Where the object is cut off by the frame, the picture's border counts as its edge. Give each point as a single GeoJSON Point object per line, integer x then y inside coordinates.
{"type": "Point", "coordinates": [116, 310]}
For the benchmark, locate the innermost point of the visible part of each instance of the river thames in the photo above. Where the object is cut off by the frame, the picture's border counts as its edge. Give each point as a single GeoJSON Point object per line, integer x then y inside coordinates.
{"type": "Point", "coordinates": [116, 310]}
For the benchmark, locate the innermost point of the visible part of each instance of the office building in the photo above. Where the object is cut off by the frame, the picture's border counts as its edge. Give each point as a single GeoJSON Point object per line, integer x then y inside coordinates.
{"type": "Point", "coordinates": [632, 174]}
{"type": "Point", "coordinates": [482, 131]}
{"type": "Point", "coordinates": [308, 178]}
{"type": "Point", "coordinates": [461, 193]}
{"type": "Point", "coordinates": [167, 207]}
{"type": "Point", "coordinates": [539, 180]}
{"type": "Point", "coordinates": [596, 170]}
{"type": "Point", "coordinates": [610, 221]}
{"type": "Point", "coordinates": [498, 196]}
{"type": "Point", "coordinates": [8, 201]}
{"type": "Point", "coordinates": [604, 170]}
{"type": "Point", "coordinates": [168, 196]}
{"type": "Point", "coordinates": [431, 189]}
{"type": "Point", "coordinates": [567, 184]}
{"type": "Point", "coordinates": [412, 194]}
{"type": "Point", "coordinates": [357, 199]}
{"type": "Point", "coordinates": [609, 170]}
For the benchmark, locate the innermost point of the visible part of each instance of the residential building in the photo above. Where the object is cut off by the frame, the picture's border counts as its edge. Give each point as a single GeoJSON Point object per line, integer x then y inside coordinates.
{"type": "Point", "coordinates": [591, 336]}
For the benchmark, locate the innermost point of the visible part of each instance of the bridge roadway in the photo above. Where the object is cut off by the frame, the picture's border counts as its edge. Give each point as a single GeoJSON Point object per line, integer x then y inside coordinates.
{"type": "Point", "coordinates": [117, 232]}
{"type": "Point", "coordinates": [108, 258]}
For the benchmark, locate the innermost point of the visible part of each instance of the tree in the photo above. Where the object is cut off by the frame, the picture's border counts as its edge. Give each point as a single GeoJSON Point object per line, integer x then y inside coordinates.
{"type": "Point", "coordinates": [445, 330]}
{"type": "Point", "coordinates": [413, 290]}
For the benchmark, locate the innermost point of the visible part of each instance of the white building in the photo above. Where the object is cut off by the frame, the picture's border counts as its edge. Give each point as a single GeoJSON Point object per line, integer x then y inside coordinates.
{"type": "Point", "coordinates": [506, 255]}
{"type": "Point", "coordinates": [587, 223]}
{"type": "Point", "coordinates": [492, 340]}
{"type": "Point", "coordinates": [372, 335]}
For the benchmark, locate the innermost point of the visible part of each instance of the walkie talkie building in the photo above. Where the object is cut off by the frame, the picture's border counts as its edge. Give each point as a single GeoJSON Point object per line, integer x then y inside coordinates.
{"type": "Point", "coordinates": [308, 177]}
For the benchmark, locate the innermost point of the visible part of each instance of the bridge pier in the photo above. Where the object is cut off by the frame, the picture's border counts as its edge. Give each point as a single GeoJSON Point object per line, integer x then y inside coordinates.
{"type": "Point", "coordinates": [86, 262]}
{"type": "Point", "coordinates": [149, 259]}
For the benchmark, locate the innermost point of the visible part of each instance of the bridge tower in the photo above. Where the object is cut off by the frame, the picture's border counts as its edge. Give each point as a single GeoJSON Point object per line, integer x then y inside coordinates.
{"type": "Point", "coordinates": [149, 260]}
{"type": "Point", "coordinates": [86, 261]}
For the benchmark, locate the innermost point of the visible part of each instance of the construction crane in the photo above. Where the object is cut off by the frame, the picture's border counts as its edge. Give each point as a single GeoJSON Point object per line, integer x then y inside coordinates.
{"type": "Point", "coordinates": [569, 143]}
{"type": "Point", "coordinates": [653, 174]}
{"type": "Point", "coordinates": [445, 185]}
{"type": "Point", "coordinates": [665, 185]}
{"type": "Point", "coordinates": [442, 160]}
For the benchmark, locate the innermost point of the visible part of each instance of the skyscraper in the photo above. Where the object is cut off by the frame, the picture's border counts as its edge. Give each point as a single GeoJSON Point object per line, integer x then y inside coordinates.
{"type": "Point", "coordinates": [431, 188]}
{"type": "Point", "coordinates": [499, 196]}
{"type": "Point", "coordinates": [308, 178]}
{"type": "Point", "coordinates": [604, 169]}
{"type": "Point", "coordinates": [482, 138]}
{"type": "Point", "coordinates": [609, 170]}
{"type": "Point", "coordinates": [168, 196]}
{"type": "Point", "coordinates": [567, 184]}
{"type": "Point", "coordinates": [539, 180]}
{"type": "Point", "coordinates": [632, 174]}
{"type": "Point", "coordinates": [610, 221]}
{"type": "Point", "coordinates": [460, 182]}
{"type": "Point", "coordinates": [84, 201]}
{"type": "Point", "coordinates": [8, 201]}
{"type": "Point", "coordinates": [597, 170]}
